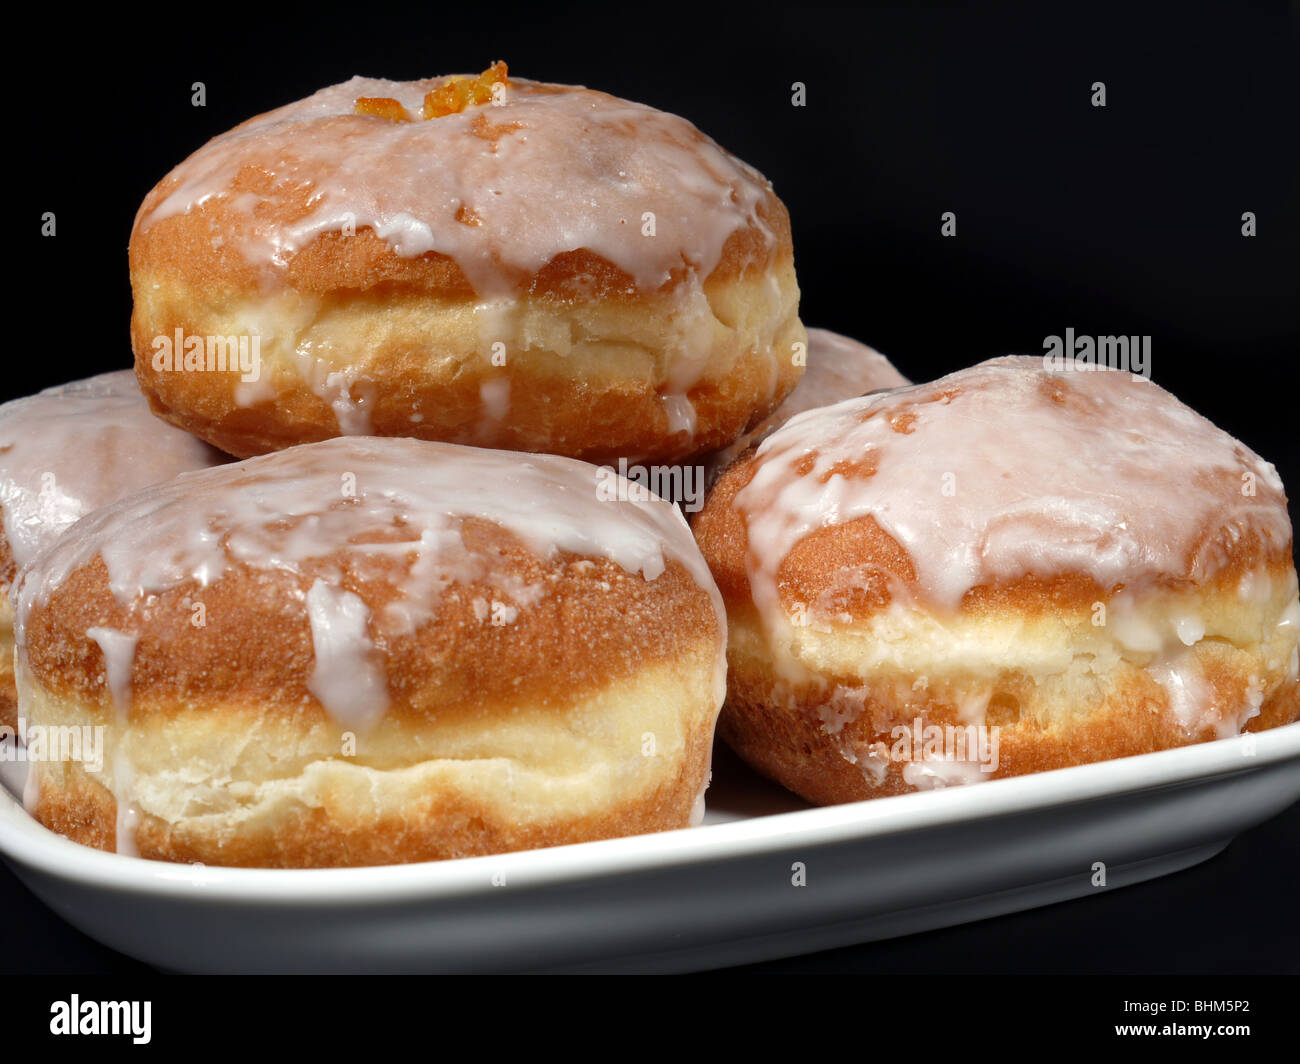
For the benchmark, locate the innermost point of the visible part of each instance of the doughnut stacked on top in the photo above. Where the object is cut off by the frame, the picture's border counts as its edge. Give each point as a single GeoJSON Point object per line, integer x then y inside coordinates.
{"type": "Point", "coordinates": [498, 262]}
{"type": "Point", "coordinates": [1075, 562]}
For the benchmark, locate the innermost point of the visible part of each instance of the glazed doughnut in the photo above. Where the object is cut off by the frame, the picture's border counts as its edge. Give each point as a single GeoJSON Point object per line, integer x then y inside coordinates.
{"type": "Point", "coordinates": [495, 262]}
{"type": "Point", "coordinates": [371, 651]}
{"type": "Point", "coordinates": [1007, 570]}
{"type": "Point", "coordinates": [64, 452]}
{"type": "Point", "coordinates": [837, 368]}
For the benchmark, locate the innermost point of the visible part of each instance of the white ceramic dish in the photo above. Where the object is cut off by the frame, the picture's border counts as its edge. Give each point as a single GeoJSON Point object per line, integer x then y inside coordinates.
{"type": "Point", "coordinates": [705, 897]}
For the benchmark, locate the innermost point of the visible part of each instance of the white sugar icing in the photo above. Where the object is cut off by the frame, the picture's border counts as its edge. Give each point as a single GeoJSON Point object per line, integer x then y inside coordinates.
{"type": "Point", "coordinates": [838, 367]}
{"type": "Point", "coordinates": [983, 477]}
{"type": "Point", "coordinates": [119, 656]}
{"type": "Point", "coordinates": [300, 506]}
{"type": "Point", "coordinates": [345, 678]}
{"type": "Point", "coordinates": [502, 190]}
{"type": "Point", "coordinates": [76, 447]}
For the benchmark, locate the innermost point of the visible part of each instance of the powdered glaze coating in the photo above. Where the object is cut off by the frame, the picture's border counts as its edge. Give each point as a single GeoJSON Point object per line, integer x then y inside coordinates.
{"type": "Point", "coordinates": [502, 190]}
{"type": "Point", "coordinates": [299, 506]}
{"type": "Point", "coordinates": [71, 449]}
{"type": "Point", "coordinates": [1006, 469]}
{"type": "Point", "coordinates": [839, 368]}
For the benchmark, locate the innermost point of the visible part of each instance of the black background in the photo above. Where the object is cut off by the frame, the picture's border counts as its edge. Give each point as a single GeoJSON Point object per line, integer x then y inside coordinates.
{"type": "Point", "coordinates": [1117, 220]}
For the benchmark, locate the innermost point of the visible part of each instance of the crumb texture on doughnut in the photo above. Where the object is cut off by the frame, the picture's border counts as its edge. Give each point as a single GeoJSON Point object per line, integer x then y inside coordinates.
{"type": "Point", "coordinates": [553, 269]}
{"type": "Point", "coordinates": [1073, 565]}
{"type": "Point", "coordinates": [373, 651]}
{"type": "Point", "coordinates": [68, 450]}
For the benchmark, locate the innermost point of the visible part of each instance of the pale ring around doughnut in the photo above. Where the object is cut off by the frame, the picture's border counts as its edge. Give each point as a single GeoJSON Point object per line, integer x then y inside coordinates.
{"type": "Point", "coordinates": [549, 269]}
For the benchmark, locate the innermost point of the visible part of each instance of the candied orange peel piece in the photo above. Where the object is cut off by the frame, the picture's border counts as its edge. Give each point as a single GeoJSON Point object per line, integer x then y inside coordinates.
{"type": "Point", "coordinates": [382, 107]}
{"type": "Point", "coordinates": [457, 93]}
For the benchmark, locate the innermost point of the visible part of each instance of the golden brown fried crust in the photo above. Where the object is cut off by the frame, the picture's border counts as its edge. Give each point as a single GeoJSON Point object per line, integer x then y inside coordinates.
{"type": "Point", "coordinates": [807, 570]}
{"type": "Point", "coordinates": [593, 625]}
{"type": "Point", "coordinates": [9, 698]}
{"type": "Point", "coordinates": [787, 742]}
{"type": "Point", "coordinates": [446, 823]}
{"type": "Point", "coordinates": [422, 380]}
{"type": "Point", "coordinates": [8, 567]}
{"type": "Point", "coordinates": [596, 420]}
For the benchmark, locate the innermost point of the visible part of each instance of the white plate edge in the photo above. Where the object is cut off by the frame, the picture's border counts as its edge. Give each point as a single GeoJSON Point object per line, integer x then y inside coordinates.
{"type": "Point", "coordinates": [30, 844]}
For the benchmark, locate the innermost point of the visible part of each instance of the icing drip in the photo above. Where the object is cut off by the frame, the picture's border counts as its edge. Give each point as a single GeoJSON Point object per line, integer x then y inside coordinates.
{"type": "Point", "coordinates": [72, 449]}
{"type": "Point", "coordinates": [699, 806]}
{"type": "Point", "coordinates": [1188, 694]}
{"type": "Point", "coordinates": [32, 777]}
{"type": "Point", "coordinates": [345, 679]}
{"type": "Point", "coordinates": [31, 788]}
{"type": "Point", "coordinates": [681, 414]}
{"type": "Point", "coordinates": [119, 657]}
{"type": "Point", "coordinates": [495, 395]}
